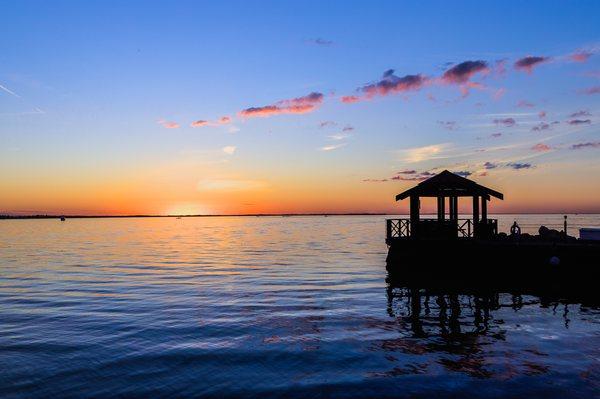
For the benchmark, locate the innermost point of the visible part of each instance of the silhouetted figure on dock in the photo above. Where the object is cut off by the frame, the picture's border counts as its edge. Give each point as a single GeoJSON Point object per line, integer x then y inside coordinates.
{"type": "Point", "coordinates": [515, 230]}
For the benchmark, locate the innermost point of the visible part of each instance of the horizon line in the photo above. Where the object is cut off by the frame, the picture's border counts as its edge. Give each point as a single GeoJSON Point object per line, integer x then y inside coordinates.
{"type": "Point", "coordinates": [58, 216]}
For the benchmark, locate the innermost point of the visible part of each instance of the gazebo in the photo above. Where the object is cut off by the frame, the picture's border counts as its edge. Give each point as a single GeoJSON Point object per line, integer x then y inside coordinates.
{"type": "Point", "coordinates": [441, 186]}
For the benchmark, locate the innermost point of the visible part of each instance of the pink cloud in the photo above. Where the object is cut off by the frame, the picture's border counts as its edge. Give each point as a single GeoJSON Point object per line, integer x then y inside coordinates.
{"type": "Point", "coordinates": [541, 147]}
{"type": "Point", "coordinates": [199, 123]}
{"type": "Point", "coordinates": [392, 84]}
{"type": "Point", "coordinates": [580, 56]}
{"type": "Point", "coordinates": [527, 64]}
{"type": "Point", "coordinates": [299, 105]}
{"type": "Point", "coordinates": [463, 72]}
{"type": "Point", "coordinates": [224, 120]}
{"type": "Point", "coordinates": [350, 99]}
{"type": "Point", "coordinates": [168, 124]}
{"type": "Point", "coordinates": [465, 88]}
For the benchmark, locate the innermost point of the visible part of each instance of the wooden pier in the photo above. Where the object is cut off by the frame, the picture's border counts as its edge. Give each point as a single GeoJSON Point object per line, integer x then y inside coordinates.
{"type": "Point", "coordinates": [449, 248]}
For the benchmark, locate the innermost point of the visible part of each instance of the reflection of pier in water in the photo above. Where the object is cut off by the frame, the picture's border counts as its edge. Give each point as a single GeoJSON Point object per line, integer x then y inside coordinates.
{"type": "Point", "coordinates": [452, 313]}
{"type": "Point", "coordinates": [469, 332]}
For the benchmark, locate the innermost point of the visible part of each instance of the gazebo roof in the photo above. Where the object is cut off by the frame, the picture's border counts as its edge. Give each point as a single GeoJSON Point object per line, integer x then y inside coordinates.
{"type": "Point", "coordinates": [449, 184]}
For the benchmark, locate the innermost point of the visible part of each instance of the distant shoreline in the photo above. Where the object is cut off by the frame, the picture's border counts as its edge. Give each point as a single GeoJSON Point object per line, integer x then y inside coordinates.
{"type": "Point", "coordinates": [20, 217]}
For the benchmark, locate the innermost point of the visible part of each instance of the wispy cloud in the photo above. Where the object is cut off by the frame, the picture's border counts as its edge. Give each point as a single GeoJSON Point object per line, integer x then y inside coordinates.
{"type": "Point", "coordinates": [168, 124]}
{"type": "Point", "coordinates": [332, 147]}
{"type": "Point", "coordinates": [419, 154]}
{"type": "Point", "coordinates": [35, 111]}
{"type": "Point", "coordinates": [527, 64]}
{"type": "Point", "coordinates": [575, 122]}
{"type": "Point", "coordinates": [541, 127]}
{"type": "Point", "coordinates": [525, 104]}
{"type": "Point", "coordinates": [591, 90]}
{"type": "Point", "coordinates": [299, 105]}
{"type": "Point", "coordinates": [582, 146]}
{"type": "Point", "coordinates": [580, 56]}
{"type": "Point", "coordinates": [327, 124]}
{"type": "Point", "coordinates": [580, 113]}
{"type": "Point", "coordinates": [519, 165]}
{"type": "Point", "coordinates": [338, 136]}
{"type": "Point", "coordinates": [229, 150]}
{"type": "Point", "coordinates": [7, 90]}
{"type": "Point", "coordinates": [199, 123]}
{"type": "Point", "coordinates": [541, 147]}
{"type": "Point", "coordinates": [507, 122]}
{"type": "Point", "coordinates": [350, 99]}
{"type": "Point", "coordinates": [319, 41]}
{"type": "Point", "coordinates": [449, 125]}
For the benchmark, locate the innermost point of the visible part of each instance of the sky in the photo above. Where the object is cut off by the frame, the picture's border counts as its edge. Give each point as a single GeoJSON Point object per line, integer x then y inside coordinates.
{"type": "Point", "coordinates": [231, 107]}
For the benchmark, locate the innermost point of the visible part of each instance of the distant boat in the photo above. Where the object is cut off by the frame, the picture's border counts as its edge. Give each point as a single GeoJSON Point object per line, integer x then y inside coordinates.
{"type": "Point", "coordinates": [62, 218]}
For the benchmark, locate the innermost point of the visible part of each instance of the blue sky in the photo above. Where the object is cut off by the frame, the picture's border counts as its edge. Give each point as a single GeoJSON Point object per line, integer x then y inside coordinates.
{"type": "Point", "coordinates": [87, 83]}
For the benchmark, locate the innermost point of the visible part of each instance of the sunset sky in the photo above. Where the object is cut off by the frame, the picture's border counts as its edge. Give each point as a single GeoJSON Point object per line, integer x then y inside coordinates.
{"type": "Point", "coordinates": [174, 107]}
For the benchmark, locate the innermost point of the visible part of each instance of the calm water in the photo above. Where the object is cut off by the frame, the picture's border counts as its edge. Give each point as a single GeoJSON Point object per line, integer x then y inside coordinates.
{"type": "Point", "coordinates": [259, 307]}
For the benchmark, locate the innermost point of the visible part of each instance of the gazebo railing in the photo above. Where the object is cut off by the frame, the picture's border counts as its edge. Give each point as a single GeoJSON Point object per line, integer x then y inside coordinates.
{"type": "Point", "coordinates": [433, 228]}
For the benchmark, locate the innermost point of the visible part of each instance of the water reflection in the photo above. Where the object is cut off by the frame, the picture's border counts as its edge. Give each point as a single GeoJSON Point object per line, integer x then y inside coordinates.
{"type": "Point", "coordinates": [466, 330]}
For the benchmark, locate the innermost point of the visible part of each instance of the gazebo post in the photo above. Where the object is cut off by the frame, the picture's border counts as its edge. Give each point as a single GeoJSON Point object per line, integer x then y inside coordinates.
{"type": "Point", "coordinates": [441, 202]}
{"type": "Point", "coordinates": [414, 215]}
{"type": "Point", "coordinates": [475, 214]}
{"type": "Point", "coordinates": [453, 208]}
{"type": "Point", "coordinates": [484, 201]}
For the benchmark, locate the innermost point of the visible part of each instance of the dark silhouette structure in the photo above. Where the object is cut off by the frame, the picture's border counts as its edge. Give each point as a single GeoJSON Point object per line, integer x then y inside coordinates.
{"type": "Point", "coordinates": [448, 249]}
{"type": "Point", "coordinates": [447, 187]}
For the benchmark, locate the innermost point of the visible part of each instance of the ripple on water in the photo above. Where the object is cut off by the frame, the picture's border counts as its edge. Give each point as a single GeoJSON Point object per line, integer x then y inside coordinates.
{"type": "Point", "coordinates": [258, 307]}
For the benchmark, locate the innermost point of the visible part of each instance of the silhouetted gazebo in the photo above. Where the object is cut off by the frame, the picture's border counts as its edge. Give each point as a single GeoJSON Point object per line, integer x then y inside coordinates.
{"type": "Point", "coordinates": [441, 186]}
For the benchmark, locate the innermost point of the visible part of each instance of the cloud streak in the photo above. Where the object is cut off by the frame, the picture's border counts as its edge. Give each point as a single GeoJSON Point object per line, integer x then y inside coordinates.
{"type": "Point", "coordinates": [507, 122]}
{"type": "Point", "coordinates": [419, 154]}
{"type": "Point", "coordinates": [168, 124]}
{"type": "Point", "coordinates": [527, 64]}
{"type": "Point", "coordinates": [332, 147]}
{"type": "Point", "coordinates": [299, 105]}
{"type": "Point", "coordinates": [582, 146]}
{"type": "Point", "coordinates": [463, 72]}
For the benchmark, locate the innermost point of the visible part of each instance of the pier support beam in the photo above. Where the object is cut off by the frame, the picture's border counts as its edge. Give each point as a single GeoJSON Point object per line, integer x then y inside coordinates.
{"type": "Point", "coordinates": [484, 209]}
{"type": "Point", "coordinates": [453, 205]}
{"type": "Point", "coordinates": [441, 211]}
{"type": "Point", "coordinates": [476, 213]}
{"type": "Point", "coordinates": [414, 215]}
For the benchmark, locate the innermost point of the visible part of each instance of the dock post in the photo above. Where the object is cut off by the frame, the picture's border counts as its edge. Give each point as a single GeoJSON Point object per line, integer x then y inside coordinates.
{"type": "Point", "coordinates": [414, 215]}
{"type": "Point", "coordinates": [475, 214]}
